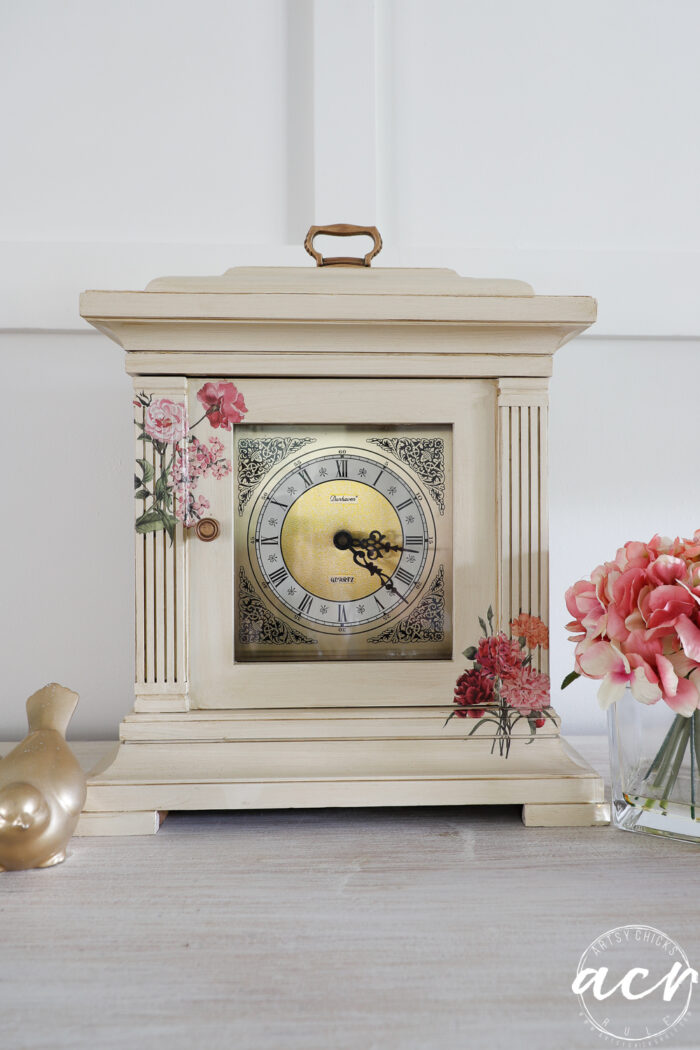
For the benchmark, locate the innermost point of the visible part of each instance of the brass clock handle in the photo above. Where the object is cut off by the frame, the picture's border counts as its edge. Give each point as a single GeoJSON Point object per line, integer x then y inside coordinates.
{"type": "Point", "coordinates": [207, 529]}
{"type": "Point", "coordinates": [343, 229]}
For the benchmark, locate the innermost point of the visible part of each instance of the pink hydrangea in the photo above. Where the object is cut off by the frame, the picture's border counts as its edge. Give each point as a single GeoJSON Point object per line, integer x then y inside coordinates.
{"type": "Point", "coordinates": [221, 468]}
{"type": "Point", "coordinates": [636, 623]}
{"type": "Point", "coordinates": [200, 506]}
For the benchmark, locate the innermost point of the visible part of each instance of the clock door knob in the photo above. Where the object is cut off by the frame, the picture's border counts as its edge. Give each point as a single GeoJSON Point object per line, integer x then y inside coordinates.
{"type": "Point", "coordinates": [207, 529]}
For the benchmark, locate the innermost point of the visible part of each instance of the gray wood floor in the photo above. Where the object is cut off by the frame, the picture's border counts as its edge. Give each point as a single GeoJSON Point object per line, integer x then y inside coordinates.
{"type": "Point", "coordinates": [362, 929]}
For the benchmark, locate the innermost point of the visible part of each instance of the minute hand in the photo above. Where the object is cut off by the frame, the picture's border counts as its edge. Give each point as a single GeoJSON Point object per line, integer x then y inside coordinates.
{"type": "Point", "coordinates": [359, 556]}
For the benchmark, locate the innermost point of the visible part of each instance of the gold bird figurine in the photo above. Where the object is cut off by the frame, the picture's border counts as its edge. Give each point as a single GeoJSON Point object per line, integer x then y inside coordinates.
{"type": "Point", "coordinates": [42, 787]}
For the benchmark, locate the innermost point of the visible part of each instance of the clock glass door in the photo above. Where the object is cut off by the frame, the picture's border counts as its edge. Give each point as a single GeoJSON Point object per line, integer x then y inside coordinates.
{"type": "Point", "coordinates": [342, 542]}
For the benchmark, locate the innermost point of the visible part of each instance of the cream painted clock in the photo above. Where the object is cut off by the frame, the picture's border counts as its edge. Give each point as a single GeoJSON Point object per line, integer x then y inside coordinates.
{"type": "Point", "coordinates": [338, 469]}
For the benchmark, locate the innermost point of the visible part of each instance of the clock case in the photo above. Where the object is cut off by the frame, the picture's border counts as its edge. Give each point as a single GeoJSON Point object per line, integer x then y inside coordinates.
{"type": "Point", "coordinates": [356, 345]}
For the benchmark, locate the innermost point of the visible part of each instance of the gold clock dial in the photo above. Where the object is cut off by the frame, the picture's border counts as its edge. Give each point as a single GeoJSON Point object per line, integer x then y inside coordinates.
{"type": "Point", "coordinates": [343, 554]}
{"type": "Point", "coordinates": [313, 521]}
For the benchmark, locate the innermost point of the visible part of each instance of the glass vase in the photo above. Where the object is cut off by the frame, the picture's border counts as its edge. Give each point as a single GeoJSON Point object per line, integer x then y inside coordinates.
{"type": "Point", "coordinates": [654, 757]}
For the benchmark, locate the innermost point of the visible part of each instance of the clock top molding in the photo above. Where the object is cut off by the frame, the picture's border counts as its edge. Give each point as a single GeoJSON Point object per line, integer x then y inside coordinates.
{"type": "Point", "coordinates": [314, 320]}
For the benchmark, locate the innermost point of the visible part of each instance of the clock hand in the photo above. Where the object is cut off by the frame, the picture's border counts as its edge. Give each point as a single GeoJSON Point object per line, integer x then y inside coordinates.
{"type": "Point", "coordinates": [375, 545]}
{"type": "Point", "coordinates": [361, 555]}
{"type": "Point", "coordinates": [377, 541]}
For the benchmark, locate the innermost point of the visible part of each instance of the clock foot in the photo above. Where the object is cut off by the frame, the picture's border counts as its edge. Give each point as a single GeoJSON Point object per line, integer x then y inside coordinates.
{"type": "Point", "coordinates": [566, 815]}
{"type": "Point", "coordinates": [137, 822]}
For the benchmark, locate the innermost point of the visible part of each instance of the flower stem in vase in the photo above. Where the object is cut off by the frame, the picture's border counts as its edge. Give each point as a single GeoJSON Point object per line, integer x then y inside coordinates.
{"type": "Point", "coordinates": [696, 748]}
{"type": "Point", "coordinates": [665, 754]}
{"type": "Point", "coordinates": [662, 750]}
{"type": "Point", "coordinates": [693, 764]}
{"type": "Point", "coordinates": [682, 744]}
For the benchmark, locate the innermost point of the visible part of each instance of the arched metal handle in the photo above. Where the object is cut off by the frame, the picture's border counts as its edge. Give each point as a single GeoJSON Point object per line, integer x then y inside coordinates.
{"type": "Point", "coordinates": [343, 229]}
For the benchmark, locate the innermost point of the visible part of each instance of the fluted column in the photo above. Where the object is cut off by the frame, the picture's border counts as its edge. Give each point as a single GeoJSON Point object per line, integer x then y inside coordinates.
{"type": "Point", "coordinates": [523, 526]}
{"type": "Point", "coordinates": [161, 567]}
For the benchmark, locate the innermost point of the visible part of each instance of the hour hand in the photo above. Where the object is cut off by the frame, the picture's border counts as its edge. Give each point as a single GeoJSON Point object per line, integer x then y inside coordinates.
{"type": "Point", "coordinates": [344, 542]}
{"type": "Point", "coordinates": [374, 546]}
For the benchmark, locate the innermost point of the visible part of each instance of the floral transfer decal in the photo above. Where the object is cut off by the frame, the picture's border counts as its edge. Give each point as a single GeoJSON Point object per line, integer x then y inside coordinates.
{"type": "Point", "coordinates": [167, 480]}
{"type": "Point", "coordinates": [502, 687]}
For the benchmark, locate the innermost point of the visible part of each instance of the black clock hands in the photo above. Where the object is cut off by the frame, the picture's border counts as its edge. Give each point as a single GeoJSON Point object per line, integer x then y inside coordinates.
{"type": "Point", "coordinates": [365, 552]}
{"type": "Point", "coordinates": [375, 545]}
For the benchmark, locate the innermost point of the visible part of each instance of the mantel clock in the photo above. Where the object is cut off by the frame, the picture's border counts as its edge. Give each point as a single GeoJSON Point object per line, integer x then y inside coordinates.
{"type": "Point", "coordinates": [339, 469]}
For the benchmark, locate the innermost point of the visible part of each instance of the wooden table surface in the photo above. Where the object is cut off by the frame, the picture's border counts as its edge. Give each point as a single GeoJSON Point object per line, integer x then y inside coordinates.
{"type": "Point", "coordinates": [364, 929]}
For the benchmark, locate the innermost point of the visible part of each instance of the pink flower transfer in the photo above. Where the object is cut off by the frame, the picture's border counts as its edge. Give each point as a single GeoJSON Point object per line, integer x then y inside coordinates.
{"type": "Point", "coordinates": [499, 656]}
{"type": "Point", "coordinates": [502, 688]}
{"type": "Point", "coordinates": [224, 404]}
{"type": "Point", "coordinates": [165, 420]}
{"type": "Point", "coordinates": [174, 460]}
{"type": "Point", "coordinates": [527, 691]}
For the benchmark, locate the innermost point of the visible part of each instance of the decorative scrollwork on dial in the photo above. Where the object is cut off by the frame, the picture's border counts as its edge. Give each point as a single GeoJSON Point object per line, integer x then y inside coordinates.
{"type": "Point", "coordinates": [257, 456]}
{"type": "Point", "coordinates": [424, 456]}
{"type": "Point", "coordinates": [427, 621]}
{"type": "Point", "coordinates": [257, 625]}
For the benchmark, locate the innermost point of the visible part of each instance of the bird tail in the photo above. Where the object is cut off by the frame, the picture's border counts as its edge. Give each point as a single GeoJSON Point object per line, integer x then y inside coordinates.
{"type": "Point", "coordinates": [51, 708]}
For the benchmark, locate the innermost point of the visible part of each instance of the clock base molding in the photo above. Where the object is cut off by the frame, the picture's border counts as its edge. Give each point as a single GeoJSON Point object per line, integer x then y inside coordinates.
{"type": "Point", "coordinates": [140, 781]}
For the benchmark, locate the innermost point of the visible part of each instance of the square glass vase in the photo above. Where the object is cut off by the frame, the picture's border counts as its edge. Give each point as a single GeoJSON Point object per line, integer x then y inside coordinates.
{"type": "Point", "coordinates": [654, 757]}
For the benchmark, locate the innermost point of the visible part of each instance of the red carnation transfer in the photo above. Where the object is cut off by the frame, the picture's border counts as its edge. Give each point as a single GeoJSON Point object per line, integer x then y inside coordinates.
{"type": "Point", "coordinates": [499, 656]}
{"type": "Point", "coordinates": [472, 689]}
{"type": "Point", "coordinates": [224, 404]}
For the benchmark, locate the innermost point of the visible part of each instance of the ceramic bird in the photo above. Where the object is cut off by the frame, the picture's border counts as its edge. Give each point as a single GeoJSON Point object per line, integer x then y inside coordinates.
{"type": "Point", "coordinates": [42, 787]}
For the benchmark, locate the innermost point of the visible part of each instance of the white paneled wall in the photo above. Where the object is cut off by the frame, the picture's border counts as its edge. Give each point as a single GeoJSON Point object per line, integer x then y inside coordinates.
{"type": "Point", "coordinates": [156, 121]}
{"type": "Point", "coordinates": [548, 141]}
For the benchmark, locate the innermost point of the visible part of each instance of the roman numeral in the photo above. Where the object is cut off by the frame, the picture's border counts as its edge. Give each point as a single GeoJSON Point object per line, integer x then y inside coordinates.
{"type": "Point", "coordinates": [278, 504]}
{"type": "Point", "coordinates": [406, 503]}
{"type": "Point", "coordinates": [341, 466]}
{"type": "Point", "coordinates": [378, 477]}
{"type": "Point", "coordinates": [410, 540]}
{"type": "Point", "coordinates": [342, 618]}
{"type": "Point", "coordinates": [378, 602]}
{"type": "Point", "coordinates": [306, 478]}
{"type": "Point", "coordinates": [404, 576]}
{"type": "Point", "coordinates": [278, 576]}
{"type": "Point", "coordinates": [305, 603]}
{"type": "Point", "coordinates": [270, 539]}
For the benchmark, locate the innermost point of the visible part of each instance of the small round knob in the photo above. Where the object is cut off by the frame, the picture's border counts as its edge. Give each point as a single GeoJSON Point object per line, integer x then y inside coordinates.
{"type": "Point", "coordinates": [207, 529]}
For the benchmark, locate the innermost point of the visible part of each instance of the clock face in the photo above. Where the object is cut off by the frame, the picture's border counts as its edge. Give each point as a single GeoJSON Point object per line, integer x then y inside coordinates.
{"type": "Point", "coordinates": [342, 546]}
